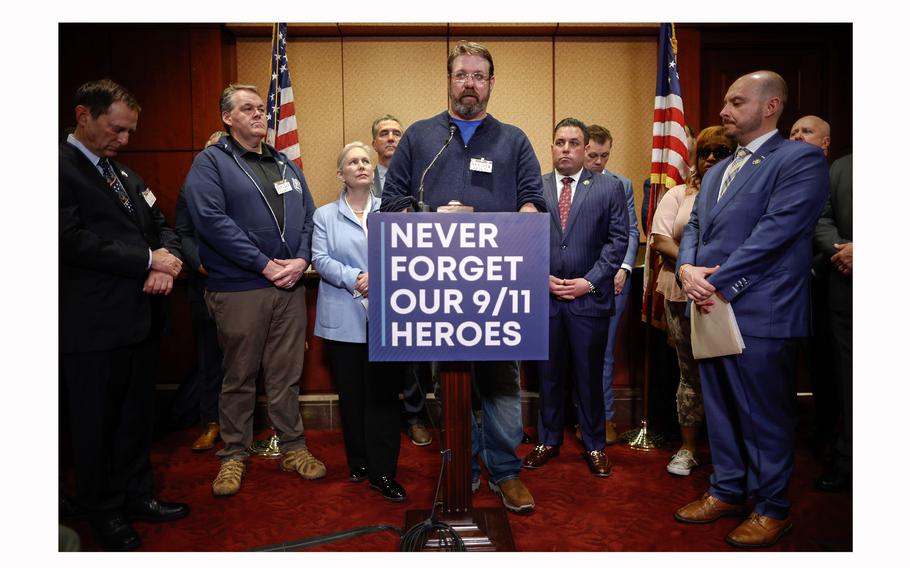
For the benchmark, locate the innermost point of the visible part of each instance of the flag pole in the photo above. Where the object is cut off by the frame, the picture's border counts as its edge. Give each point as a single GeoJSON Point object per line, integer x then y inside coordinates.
{"type": "Point", "coordinates": [669, 167]}
{"type": "Point", "coordinates": [268, 446]}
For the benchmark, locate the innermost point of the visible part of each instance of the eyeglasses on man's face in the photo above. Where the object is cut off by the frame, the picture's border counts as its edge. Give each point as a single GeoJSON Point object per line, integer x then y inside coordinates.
{"type": "Point", "coordinates": [462, 78]}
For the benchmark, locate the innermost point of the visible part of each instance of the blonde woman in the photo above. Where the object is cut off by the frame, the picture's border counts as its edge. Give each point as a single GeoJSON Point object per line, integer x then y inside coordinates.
{"type": "Point", "coordinates": [367, 392]}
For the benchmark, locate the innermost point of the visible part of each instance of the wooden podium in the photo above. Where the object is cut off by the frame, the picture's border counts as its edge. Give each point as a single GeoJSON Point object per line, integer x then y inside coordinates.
{"type": "Point", "coordinates": [481, 529]}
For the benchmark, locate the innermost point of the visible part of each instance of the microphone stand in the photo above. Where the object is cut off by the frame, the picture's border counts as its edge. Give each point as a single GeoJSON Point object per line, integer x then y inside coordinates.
{"type": "Point", "coordinates": [422, 206]}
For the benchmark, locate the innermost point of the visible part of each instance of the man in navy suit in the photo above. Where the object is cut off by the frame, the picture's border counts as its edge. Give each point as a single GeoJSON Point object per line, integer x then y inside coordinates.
{"type": "Point", "coordinates": [749, 243]}
{"type": "Point", "coordinates": [588, 238]}
{"type": "Point", "coordinates": [597, 154]}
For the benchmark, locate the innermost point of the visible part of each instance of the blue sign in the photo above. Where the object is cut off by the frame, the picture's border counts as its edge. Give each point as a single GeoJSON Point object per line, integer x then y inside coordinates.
{"type": "Point", "coordinates": [459, 286]}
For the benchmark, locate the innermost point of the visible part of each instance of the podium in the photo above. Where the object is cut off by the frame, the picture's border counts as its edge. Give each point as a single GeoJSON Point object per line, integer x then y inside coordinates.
{"type": "Point", "coordinates": [459, 288]}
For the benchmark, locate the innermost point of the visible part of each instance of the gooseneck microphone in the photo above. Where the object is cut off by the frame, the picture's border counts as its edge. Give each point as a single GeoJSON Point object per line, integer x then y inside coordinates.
{"type": "Point", "coordinates": [422, 207]}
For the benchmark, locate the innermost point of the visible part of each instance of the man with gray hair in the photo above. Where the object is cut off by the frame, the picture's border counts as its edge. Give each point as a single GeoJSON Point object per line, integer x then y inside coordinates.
{"type": "Point", "coordinates": [253, 213]}
{"type": "Point", "coordinates": [386, 135]}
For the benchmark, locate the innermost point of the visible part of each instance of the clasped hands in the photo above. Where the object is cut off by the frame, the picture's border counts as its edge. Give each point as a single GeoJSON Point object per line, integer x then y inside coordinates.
{"type": "Point", "coordinates": [285, 272]}
{"type": "Point", "coordinates": [843, 258]}
{"type": "Point", "coordinates": [165, 267]}
{"type": "Point", "coordinates": [697, 287]}
{"type": "Point", "coordinates": [568, 289]}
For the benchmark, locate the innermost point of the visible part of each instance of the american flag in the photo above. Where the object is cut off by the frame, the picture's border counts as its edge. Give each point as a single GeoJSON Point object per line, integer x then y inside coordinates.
{"type": "Point", "coordinates": [282, 133]}
{"type": "Point", "coordinates": [669, 159]}
{"type": "Point", "coordinates": [669, 148]}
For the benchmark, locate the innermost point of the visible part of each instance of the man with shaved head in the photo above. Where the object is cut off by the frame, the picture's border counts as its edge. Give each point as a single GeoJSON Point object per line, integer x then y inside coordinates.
{"type": "Point", "coordinates": [813, 130]}
{"type": "Point", "coordinates": [749, 243]}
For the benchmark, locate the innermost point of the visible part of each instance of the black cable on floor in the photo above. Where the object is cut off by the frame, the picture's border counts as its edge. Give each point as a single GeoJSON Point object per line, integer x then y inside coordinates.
{"type": "Point", "coordinates": [417, 536]}
{"type": "Point", "coordinates": [293, 545]}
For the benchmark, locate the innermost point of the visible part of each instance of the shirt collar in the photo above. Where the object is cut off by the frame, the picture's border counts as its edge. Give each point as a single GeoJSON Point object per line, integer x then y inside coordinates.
{"type": "Point", "coordinates": [576, 176]}
{"type": "Point", "coordinates": [81, 147]}
{"type": "Point", "coordinates": [754, 145]}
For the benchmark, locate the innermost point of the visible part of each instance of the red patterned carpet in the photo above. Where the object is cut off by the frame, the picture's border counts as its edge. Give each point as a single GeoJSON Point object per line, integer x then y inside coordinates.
{"type": "Point", "coordinates": [632, 510]}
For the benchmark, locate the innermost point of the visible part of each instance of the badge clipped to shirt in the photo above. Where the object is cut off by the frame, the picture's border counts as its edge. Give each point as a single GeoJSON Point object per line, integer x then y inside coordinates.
{"type": "Point", "coordinates": [149, 197]}
{"type": "Point", "coordinates": [481, 165]}
{"type": "Point", "coordinates": [283, 186]}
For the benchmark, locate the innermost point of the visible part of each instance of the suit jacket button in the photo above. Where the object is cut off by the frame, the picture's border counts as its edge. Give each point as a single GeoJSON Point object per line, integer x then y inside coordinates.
{"type": "Point", "coordinates": [563, 246]}
{"type": "Point", "coordinates": [704, 242]}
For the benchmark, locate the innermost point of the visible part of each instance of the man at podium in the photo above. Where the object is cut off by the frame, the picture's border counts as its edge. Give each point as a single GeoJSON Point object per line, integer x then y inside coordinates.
{"type": "Point", "coordinates": [465, 154]}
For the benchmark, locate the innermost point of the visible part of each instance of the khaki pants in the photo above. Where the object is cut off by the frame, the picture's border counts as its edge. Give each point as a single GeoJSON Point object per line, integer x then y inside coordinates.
{"type": "Point", "coordinates": [260, 329]}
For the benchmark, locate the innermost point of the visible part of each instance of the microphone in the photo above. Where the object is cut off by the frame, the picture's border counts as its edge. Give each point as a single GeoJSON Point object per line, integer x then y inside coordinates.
{"type": "Point", "coordinates": [422, 207]}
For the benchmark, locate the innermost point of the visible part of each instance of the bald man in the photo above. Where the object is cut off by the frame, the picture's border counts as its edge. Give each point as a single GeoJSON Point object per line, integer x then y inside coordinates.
{"type": "Point", "coordinates": [813, 130]}
{"type": "Point", "coordinates": [749, 243]}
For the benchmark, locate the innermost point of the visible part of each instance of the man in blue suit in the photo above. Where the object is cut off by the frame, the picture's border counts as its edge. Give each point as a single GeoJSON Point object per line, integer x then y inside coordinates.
{"type": "Point", "coordinates": [597, 154]}
{"type": "Point", "coordinates": [749, 243]}
{"type": "Point", "coordinates": [590, 229]}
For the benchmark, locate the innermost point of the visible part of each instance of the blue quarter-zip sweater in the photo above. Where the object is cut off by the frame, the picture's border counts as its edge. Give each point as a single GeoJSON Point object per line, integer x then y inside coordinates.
{"type": "Point", "coordinates": [237, 230]}
{"type": "Point", "coordinates": [513, 181]}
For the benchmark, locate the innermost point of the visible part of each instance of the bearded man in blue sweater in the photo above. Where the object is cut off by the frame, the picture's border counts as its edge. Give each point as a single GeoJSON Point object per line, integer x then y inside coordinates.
{"type": "Point", "coordinates": [490, 166]}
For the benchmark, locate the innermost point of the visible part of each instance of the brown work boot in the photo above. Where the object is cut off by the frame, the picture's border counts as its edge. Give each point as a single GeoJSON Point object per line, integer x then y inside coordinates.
{"type": "Point", "coordinates": [707, 509]}
{"type": "Point", "coordinates": [229, 477]}
{"type": "Point", "coordinates": [419, 434]}
{"type": "Point", "coordinates": [758, 531]}
{"type": "Point", "coordinates": [303, 462]}
{"type": "Point", "coordinates": [207, 440]}
{"type": "Point", "coordinates": [610, 430]}
{"type": "Point", "coordinates": [515, 496]}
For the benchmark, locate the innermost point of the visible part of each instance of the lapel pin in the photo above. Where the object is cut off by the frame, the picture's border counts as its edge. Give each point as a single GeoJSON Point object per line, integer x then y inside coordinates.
{"type": "Point", "coordinates": [123, 173]}
{"type": "Point", "coordinates": [586, 182]}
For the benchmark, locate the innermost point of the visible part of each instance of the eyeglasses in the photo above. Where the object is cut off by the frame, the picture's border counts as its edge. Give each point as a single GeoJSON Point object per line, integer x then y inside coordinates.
{"type": "Point", "coordinates": [462, 78]}
{"type": "Point", "coordinates": [720, 152]}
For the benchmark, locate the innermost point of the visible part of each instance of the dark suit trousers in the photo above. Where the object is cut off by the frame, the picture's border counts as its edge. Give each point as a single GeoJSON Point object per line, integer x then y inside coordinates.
{"type": "Point", "coordinates": [111, 396]}
{"type": "Point", "coordinates": [750, 411]}
{"type": "Point", "coordinates": [368, 396]}
{"type": "Point", "coordinates": [413, 393]}
{"type": "Point", "coordinates": [841, 318]}
{"type": "Point", "coordinates": [577, 344]}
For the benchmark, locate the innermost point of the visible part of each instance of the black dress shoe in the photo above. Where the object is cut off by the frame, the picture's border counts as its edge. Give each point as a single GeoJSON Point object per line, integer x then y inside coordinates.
{"type": "Point", "coordinates": [154, 511]}
{"type": "Point", "coordinates": [833, 481]}
{"type": "Point", "coordinates": [358, 474]}
{"type": "Point", "coordinates": [389, 488]}
{"type": "Point", "coordinates": [114, 533]}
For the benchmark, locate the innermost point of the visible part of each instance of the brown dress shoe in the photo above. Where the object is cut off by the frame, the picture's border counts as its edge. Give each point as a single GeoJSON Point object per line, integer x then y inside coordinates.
{"type": "Point", "coordinates": [539, 456]}
{"type": "Point", "coordinates": [598, 463]}
{"type": "Point", "coordinates": [207, 440]}
{"type": "Point", "coordinates": [515, 496]}
{"type": "Point", "coordinates": [419, 434]}
{"type": "Point", "coordinates": [707, 510]}
{"type": "Point", "coordinates": [758, 531]}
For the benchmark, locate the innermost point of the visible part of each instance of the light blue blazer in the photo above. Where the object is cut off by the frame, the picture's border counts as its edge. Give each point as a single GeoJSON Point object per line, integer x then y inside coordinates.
{"type": "Point", "coordinates": [339, 255]}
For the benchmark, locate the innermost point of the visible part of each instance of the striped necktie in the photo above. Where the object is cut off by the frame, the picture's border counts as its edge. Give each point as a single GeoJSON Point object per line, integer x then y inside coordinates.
{"type": "Point", "coordinates": [116, 186]}
{"type": "Point", "coordinates": [737, 164]}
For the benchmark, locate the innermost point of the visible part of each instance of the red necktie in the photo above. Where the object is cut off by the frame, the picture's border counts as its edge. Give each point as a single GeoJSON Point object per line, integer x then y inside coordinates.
{"type": "Point", "coordinates": [565, 201]}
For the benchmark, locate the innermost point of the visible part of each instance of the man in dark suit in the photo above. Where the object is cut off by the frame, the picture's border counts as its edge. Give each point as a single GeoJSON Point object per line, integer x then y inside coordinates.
{"type": "Point", "coordinates": [749, 243]}
{"type": "Point", "coordinates": [117, 258]}
{"type": "Point", "coordinates": [834, 240]}
{"type": "Point", "coordinates": [588, 238]}
{"type": "Point", "coordinates": [386, 135]}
